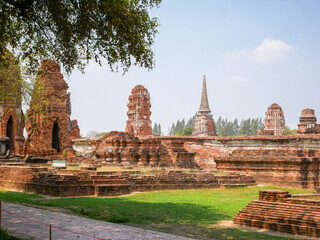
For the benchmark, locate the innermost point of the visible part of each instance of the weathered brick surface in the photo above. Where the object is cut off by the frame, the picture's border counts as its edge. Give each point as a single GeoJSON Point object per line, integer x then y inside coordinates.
{"type": "Point", "coordinates": [203, 122]}
{"type": "Point", "coordinates": [75, 129]}
{"type": "Point", "coordinates": [123, 148]}
{"type": "Point", "coordinates": [85, 183]}
{"type": "Point", "coordinates": [139, 123]}
{"type": "Point", "coordinates": [308, 122]}
{"type": "Point", "coordinates": [274, 122]}
{"type": "Point", "coordinates": [49, 128]}
{"type": "Point", "coordinates": [12, 121]}
{"type": "Point", "coordinates": [291, 161]}
{"type": "Point", "coordinates": [277, 210]}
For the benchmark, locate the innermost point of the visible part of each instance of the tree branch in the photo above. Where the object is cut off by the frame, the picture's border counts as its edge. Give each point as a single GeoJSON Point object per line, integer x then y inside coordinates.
{"type": "Point", "coordinates": [22, 6]}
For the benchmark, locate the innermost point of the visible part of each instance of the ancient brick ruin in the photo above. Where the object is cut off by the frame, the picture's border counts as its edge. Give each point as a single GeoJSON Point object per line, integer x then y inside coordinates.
{"type": "Point", "coordinates": [274, 122]}
{"type": "Point", "coordinates": [49, 126]}
{"type": "Point", "coordinates": [308, 122]}
{"type": "Point", "coordinates": [12, 119]}
{"type": "Point", "coordinates": [139, 123]}
{"type": "Point", "coordinates": [64, 183]}
{"type": "Point", "coordinates": [203, 123]}
{"type": "Point", "coordinates": [125, 149]}
{"type": "Point", "coordinates": [75, 129]}
{"type": "Point", "coordinates": [288, 160]}
{"type": "Point", "coordinates": [283, 212]}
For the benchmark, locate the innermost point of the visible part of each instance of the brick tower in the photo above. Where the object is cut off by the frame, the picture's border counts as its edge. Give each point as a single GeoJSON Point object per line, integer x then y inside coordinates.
{"type": "Point", "coordinates": [49, 126]}
{"type": "Point", "coordinates": [274, 122]}
{"type": "Point", "coordinates": [203, 123]}
{"type": "Point", "coordinates": [308, 122]}
{"type": "Point", "coordinates": [12, 120]}
{"type": "Point", "coordinates": [139, 123]}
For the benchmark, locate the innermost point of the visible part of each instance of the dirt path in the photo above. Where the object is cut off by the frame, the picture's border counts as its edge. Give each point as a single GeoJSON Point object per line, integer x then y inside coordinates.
{"type": "Point", "coordinates": [26, 222]}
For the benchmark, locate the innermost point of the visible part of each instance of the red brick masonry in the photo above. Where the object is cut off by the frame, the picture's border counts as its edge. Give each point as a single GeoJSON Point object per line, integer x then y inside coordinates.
{"type": "Point", "coordinates": [279, 211]}
{"type": "Point", "coordinates": [65, 183]}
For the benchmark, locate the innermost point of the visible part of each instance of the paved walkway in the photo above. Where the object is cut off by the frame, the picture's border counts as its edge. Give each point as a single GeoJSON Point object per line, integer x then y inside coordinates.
{"type": "Point", "coordinates": [29, 222]}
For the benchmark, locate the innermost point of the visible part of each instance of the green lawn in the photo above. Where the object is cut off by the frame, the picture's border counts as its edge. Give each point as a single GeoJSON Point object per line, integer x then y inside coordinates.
{"type": "Point", "coordinates": [5, 236]}
{"type": "Point", "coordinates": [185, 212]}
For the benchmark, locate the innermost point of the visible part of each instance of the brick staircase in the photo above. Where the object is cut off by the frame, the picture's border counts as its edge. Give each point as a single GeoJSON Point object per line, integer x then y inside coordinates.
{"type": "Point", "coordinates": [11, 161]}
{"type": "Point", "coordinates": [233, 180]}
{"type": "Point", "coordinates": [110, 184]}
{"type": "Point", "coordinates": [276, 210]}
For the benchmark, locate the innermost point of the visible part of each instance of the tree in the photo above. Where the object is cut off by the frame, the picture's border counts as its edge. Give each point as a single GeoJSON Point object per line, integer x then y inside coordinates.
{"type": "Point", "coordinates": [183, 127]}
{"type": "Point", "coordinates": [156, 130]}
{"type": "Point", "coordinates": [247, 127]}
{"type": "Point", "coordinates": [187, 131]}
{"type": "Point", "coordinates": [11, 82]}
{"type": "Point", "coordinates": [72, 32]}
{"type": "Point", "coordinates": [288, 131]}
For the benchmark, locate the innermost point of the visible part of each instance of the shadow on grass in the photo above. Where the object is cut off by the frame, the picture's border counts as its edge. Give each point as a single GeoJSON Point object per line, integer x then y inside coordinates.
{"type": "Point", "coordinates": [123, 210]}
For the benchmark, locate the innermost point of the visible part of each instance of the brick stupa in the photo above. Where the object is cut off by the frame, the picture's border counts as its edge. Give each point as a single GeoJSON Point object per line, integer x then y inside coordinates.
{"type": "Point", "coordinates": [203, 123]}
{"type": "Point", "coordinates": [308, 122]}
{"type": "Point", "coordinates": [274, 122]}
{"type": "Point", "coordinates": [12, 120]}
{"type": "Point", "coordinates": [49, 127]}
{"type": "Point", "coordinates": [139, 123]}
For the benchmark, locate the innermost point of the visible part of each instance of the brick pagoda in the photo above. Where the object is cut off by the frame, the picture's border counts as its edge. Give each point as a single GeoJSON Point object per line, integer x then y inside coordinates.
{"type": "Point", "coordinates": [75, 129]}
{"type": "Point", "coordinates": [308, 122]}
{"type": "Point", "coordinates": [274, 122]}
{"type": "Point", "coordinates": [139, 123]}
{"type": "Point", "coordinates": [203, 123]}
{"type": "Point", "coordinates": [49, 126]}
{"type": "Point", "coordinates": [12, 119]}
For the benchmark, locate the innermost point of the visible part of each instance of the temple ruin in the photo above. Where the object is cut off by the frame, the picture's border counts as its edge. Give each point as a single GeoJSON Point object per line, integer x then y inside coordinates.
{"type": "Point", "coordinates": [12, 120]}
{"type": "Point", "coordinates": [308, 122]}
{"type": "Point", "coordinates": [75, 129]}
{"type": "Point", "coordinates": [49, 126]}
{"type": "Point", "coordinates": [203, 123]}
{"type": "Point", "coordinates": [139, 123]}
{"type": "Point", "coordinates": [274, 122]}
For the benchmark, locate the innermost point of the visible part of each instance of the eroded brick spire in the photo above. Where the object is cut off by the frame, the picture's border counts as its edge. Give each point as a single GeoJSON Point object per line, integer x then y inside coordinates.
{"type": "Point", "coordinates": [204, 105]}
{"type": "Point", "coordinates": [203, 122]}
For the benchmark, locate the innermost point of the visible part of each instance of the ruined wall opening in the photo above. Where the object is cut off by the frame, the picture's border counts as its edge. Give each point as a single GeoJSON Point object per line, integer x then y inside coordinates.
{"type": "Point", "coordinates": [55, 137]}
{"type": "Point", "coordinates": [10, 134]}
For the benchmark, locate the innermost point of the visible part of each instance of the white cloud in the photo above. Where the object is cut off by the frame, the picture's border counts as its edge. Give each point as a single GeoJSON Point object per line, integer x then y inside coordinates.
{"type": "Point", "coordinates": [268, 50]}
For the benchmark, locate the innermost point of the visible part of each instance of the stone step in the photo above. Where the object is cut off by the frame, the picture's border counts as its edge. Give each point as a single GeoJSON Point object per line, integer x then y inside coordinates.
{"type": "Point", "coordinates": [77, 183]}
{"type": "Point", "coordinates": [290, 219]}
{"type": "Point", "coordinates": [234, 185]}
{"type": "Point", "coordinates": [286, 205]}
{"type": "Point", "coordinates": [112, 189]}
{"type": "Point", "coordinates": [265, 208]}
{"type": "Point", "coordinates": [98, 177]}
{"type": "Point", "coordinates": [282, 227]}
{"type": "Point", "coordinates": [100, 182]}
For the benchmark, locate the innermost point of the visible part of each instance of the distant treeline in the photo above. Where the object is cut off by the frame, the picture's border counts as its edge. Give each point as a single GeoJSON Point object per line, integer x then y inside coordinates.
{"type": "Point", "coordinates": [247, 127]}
{"type": "Point", "coordinates": [223, 127]}
{"type": "Point", "coordinates": [182, 128]}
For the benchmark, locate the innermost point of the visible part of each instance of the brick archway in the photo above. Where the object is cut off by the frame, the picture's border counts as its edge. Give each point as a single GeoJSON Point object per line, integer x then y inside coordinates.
{"type": "Point", "coordinates": [10, 134]}
{"type": "Point", "coordinates": [8, 126]}
{"type": "Point", "coordinates": [56, 136]}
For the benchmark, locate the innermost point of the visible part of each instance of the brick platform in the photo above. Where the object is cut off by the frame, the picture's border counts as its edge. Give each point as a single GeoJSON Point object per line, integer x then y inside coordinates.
{"type": "Point", "coordinates": [65, 183]}
{"type": "Point", "coordinates": [279, 211]}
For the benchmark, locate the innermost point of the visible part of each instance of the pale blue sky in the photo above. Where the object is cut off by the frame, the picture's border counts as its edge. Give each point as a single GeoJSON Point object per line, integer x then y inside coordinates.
{"type": "Point", "coordinates": [253, 53]}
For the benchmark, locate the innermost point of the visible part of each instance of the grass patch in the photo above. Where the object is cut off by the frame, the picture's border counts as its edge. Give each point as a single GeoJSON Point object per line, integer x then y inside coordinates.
{"type": "Point", "coordinates": [5, 236]}
{"type": "Point", "coordinates": [184, 212]}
